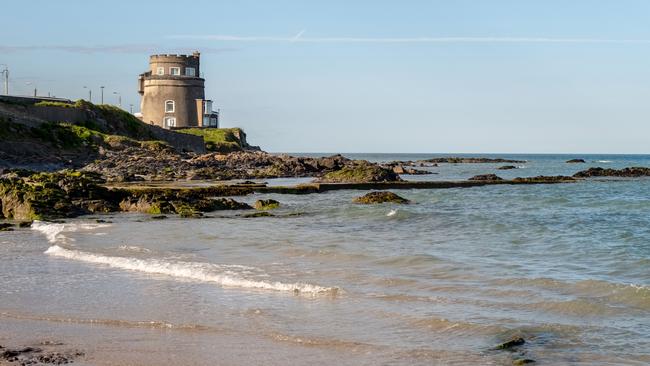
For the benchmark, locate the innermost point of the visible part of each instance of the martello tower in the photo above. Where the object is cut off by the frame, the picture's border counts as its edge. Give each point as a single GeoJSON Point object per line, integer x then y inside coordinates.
{"type": "Point", "coordinates": [173, 93]}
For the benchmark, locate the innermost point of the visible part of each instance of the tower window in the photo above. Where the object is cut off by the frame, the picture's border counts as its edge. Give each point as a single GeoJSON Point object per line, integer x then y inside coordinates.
{"type": "Point", "coordinates": [176, 71]}
{"type": "Point", "coordinates": [169, 106]}
{"type": "Point", "coordinates": [190, 71]}
{"type": "Point", "coordinates": [160, 71]}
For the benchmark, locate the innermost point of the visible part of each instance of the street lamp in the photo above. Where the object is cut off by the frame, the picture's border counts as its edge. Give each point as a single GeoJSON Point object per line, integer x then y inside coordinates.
{"type": "Point", "coordinates": [119, 99]}
{"type": "Point", "coordinates": [102, 88]}
{"type": "Point", "coordinates": [35, 87]}
{"type": "Point", "coordinates": [90, 94]}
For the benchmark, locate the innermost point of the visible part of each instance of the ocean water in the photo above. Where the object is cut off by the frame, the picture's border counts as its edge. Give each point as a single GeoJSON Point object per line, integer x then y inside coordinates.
{"type": "Point", "coordinates": [439, 282]}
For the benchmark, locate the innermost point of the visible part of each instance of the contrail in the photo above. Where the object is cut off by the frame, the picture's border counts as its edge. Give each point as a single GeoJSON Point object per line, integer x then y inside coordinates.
{"type": "Point", "coordinates": [299, 38]}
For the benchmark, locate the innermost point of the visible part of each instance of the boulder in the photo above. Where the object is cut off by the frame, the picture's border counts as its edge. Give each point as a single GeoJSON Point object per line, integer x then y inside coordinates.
{"type": "Point", "coordinates": [486, 178]}
{"type": "Point", "coordinates": [381, 197]}
{"type": "Point", "coordinates": [264, 205]}
{"type": "Point", "coordinates": [507, 167]}
{"type": "Point", "coordinates": [576, 161]}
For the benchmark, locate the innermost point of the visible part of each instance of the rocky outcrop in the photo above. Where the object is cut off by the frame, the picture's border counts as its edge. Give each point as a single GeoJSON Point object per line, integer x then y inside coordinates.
{"type": "Point", "coordinates": [40, 196]}
{"type": "Point", "coordinates": [575, 161]}
{"type": "Point", "coordinates": [381, 197]}
{"type": "Point", "coordinates": [486, 177]}
{"type": "Point", "coordinates": [631, 172]}
{"type": "Point", "coordinates": [507, 167]}
{"type": "Point", "coordinates": [360, 172]}
{"type": "Point", "coordinates": [36, 196]}
{"type": "Point", "coordinates": [544, 179]}
{"type": "Point", "coordinates": [264, 205]}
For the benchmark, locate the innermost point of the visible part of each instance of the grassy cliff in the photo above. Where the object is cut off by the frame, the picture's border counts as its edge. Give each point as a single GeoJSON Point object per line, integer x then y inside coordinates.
{"type": "Point", "coordinates": [220, 139]}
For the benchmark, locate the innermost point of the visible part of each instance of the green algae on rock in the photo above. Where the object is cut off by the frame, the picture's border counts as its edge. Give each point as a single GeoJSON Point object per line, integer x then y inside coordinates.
{"type": "Point", "coordinates": [381, 197]}
{"type": "Point", "coordinates": [264, 205]}
{"type": "Point", "coordinates": [361, 172]}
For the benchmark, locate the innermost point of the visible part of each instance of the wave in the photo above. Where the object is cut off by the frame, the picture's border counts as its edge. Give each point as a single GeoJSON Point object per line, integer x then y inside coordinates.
{"type": "Point", "coordinates": [53, 231]}
{"type": "Point", "coordinates": [205, 272]}
{"type": "Point", "coordinates": [604, 161]}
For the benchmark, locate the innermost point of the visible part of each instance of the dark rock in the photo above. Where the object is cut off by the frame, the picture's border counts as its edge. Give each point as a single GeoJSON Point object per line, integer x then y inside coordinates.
{"type": "Point", "coordinates": [4, 226]}
{"type": "Point", "coordinates": [361, 172]}
{"type": "Point", "coordinates": [381, 197]}
{"type": "Point", "coordinates": [507, 167]}
{"type": "Point", "coordinates": [266, 204]}
{"type": "Point", "coordinates": [574, 161]}
{"type": "Point", "coordinates": [631, 172]}
{"type": "Point", "coordinates": [523, 361]}
{"type": "Point", "coordinates": [544, 179]}
{"type": "Point", "coordinates": [486, 177]}
{"type": "Point", "coordinates": [459, 160]}
{"type": "Point", "coordinates": [258, 214]}
{"type": "Point", "coordinates": [509, 344]}
{"type": "Point", "coordinates": [159, 217]}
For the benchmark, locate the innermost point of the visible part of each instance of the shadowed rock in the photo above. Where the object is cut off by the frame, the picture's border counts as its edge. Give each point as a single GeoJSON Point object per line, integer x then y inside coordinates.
{"type": "Point", "coordinates": [486, 177]}
{"type": "Point", "coordinates": [576, 161]}
{"type": "Point", "coordinates": [631, 172]}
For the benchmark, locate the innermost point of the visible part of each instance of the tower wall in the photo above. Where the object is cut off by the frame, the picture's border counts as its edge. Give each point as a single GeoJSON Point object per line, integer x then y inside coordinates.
{"type": "Point", "coordinates": [182, 89]}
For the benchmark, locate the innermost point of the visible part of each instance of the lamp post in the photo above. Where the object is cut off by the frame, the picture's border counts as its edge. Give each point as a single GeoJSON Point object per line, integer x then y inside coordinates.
{"type": "Point", "coordinates": [35, 87]}
{"type": "Point", "coordinates": [5, 71]}
{"type": "Point", "coordinates": [119, 99]}
{"type": "Point", "coordinates": [102, 88]}
{"type": "Point", "coordinates": [90, 94]}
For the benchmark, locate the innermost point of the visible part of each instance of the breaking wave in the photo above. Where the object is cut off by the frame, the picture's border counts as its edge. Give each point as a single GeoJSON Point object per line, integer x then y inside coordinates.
{"type": "Point", "coordinates": [54, 231]}
{"type": "Point", "coordinates": [222, 275]}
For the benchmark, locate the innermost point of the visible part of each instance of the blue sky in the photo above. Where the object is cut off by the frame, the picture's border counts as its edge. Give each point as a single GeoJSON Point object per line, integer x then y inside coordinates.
{"type": "Point", "coordinates": [538, 76]}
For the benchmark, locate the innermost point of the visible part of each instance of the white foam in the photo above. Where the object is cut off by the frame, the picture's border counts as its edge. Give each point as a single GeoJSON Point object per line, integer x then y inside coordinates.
{"type": "Point", "coordinates": [54, 231]}
{"type": "Point", "coordinates": [204, 272]}
{"type": "Point", "coordinates": [51, 231]}
{"type": "Point", "coordinates": [391, 213]}
{"type": "Point", "coordinates": [604, 161]}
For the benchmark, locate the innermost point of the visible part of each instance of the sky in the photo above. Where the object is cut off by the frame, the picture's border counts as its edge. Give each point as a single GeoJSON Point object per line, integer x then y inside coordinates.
{"type": "Point", "coordinates": [472, 76]}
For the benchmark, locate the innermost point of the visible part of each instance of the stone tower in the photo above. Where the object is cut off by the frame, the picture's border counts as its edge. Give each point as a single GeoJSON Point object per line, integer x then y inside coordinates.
{"type": "Point", "coordinates": [173, 94]}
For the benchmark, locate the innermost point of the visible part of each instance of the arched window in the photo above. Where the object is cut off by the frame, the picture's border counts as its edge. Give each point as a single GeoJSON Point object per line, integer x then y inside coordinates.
{"type": "Point", "coordinates": [169, 106]}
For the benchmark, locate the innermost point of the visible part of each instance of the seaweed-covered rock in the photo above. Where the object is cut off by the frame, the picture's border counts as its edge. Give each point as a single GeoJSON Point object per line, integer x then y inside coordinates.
{"type": "Point", "coordinates": [631, 172]}
{"type": "Point", "coordinates": [511, 343]}
{"type": "Point", "coordinates": [381, 197]}
{"type": "Point", "coordinates": [486, 177]}
{"type": "Point", "coordinates": [264, 205]}
{"type": "Point", "coordinates": [361, 172]}
{"type": "Point", "coordinates": [545, 179]}
{"type": "Point", "coordinates": [507, 167]}
{"type": "Point", "coordinates": [576, 161]}
{"type": "Point", "coordinates": [53, 195]}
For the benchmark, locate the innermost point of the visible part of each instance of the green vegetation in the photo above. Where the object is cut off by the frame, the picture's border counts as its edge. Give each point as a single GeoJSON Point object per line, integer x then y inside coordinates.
{"type": "Point", "coordinates": [218, 139]}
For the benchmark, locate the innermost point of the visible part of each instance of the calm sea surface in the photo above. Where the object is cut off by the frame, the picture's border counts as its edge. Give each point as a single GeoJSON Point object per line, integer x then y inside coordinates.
{"type": "Point", "coordinates": [438, 282]}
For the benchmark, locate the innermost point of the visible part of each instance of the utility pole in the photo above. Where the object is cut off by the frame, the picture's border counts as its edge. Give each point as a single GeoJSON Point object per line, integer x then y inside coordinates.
{"type": "Point", "coordinates": [131, 108]}
{"type": "Point", "coordinates": [6, 73]}
{"type": "Point", "coordinates": [102, 88]}
{"type": "Point", "coordinates": [90, 94]}
{"type": "Point", "coordinates": [119, 99]}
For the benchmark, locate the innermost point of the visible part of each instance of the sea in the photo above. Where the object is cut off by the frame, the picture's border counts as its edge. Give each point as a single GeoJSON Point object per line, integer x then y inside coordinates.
{"type": "Point", "coordinates": [441, 281]}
